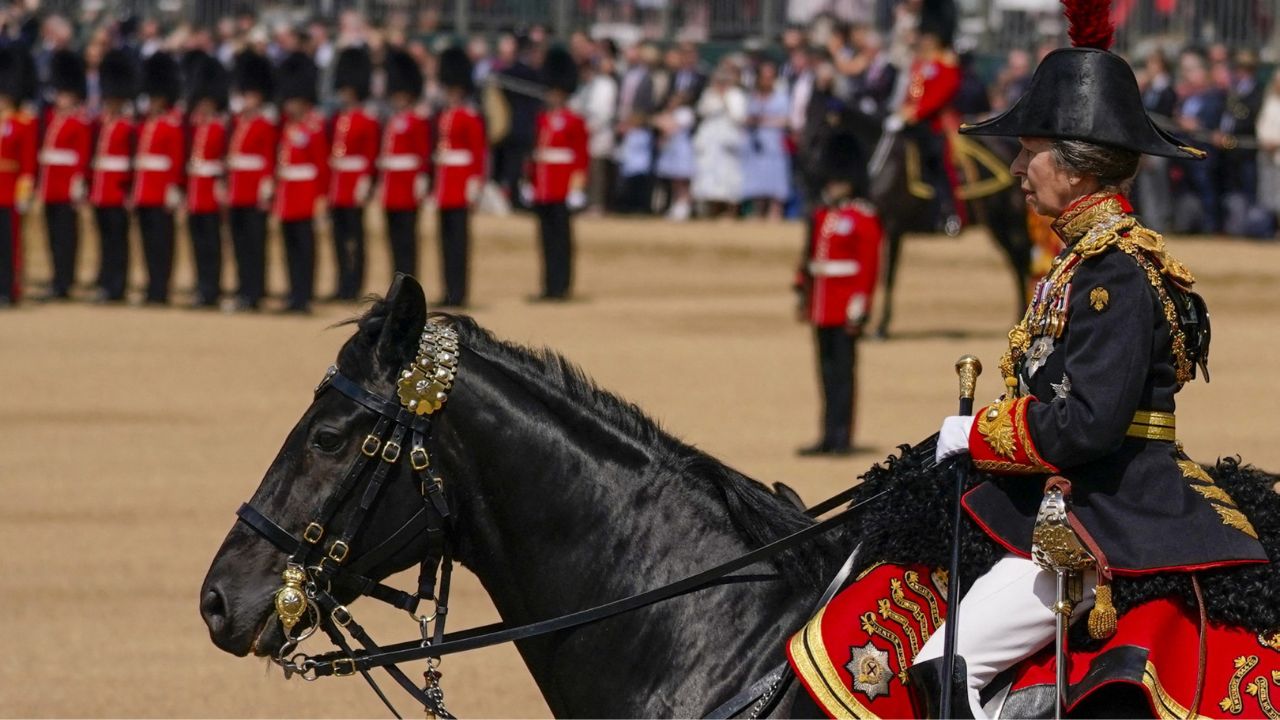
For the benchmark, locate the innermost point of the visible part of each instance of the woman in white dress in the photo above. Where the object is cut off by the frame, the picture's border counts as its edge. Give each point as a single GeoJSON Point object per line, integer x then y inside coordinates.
{"type": "Point", "coordinates": [766, 165]}
{"type": "Point", "coordinates": [717, 143]}
{"type": "Point", "coordinates": [1269, 149]}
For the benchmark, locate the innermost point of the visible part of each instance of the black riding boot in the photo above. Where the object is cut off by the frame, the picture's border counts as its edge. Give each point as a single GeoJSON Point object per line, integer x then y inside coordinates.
{"type": "Point", "coordinates": [926, 678]}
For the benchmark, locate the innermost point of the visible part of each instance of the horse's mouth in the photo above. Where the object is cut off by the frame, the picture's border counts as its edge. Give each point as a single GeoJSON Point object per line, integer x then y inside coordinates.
{"type": "Point", "coordinates": [266, 643]}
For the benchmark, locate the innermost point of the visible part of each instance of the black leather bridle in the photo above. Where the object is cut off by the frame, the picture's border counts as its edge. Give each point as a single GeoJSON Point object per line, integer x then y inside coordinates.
{"type": "Point", "coordinates": [321, 553]}
{"type": "Point", "coordinates": [326, 565]}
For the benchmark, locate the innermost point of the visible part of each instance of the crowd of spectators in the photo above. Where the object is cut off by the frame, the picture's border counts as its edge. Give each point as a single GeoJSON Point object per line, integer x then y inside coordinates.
{"type": "Point", "coordinates": [674, 132]}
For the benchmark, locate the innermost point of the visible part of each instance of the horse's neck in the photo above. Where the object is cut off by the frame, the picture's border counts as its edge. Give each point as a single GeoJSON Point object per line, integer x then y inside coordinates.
{"type": "Point", "coordinates": [555, 519]}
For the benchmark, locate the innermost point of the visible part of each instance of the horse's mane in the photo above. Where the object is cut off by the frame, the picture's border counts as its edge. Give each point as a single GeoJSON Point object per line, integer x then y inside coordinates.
{"type": "Point", "coordinates": [759, 513]}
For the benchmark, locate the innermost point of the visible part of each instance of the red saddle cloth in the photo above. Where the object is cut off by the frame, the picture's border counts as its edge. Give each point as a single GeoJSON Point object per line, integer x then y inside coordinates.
{"type": "Point", "coordinates": [852, 656]}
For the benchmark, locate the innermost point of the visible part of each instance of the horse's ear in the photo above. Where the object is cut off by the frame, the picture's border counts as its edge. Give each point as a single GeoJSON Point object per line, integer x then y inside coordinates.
{"type": "Point", "coordinates": [406, 315]}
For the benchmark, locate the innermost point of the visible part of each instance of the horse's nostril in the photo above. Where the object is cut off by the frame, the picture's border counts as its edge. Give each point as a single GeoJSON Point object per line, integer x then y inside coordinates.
{"type": "Point", "coordinates": [213, 608]}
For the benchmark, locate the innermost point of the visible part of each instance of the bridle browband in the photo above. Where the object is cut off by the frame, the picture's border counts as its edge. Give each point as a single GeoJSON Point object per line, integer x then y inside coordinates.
{"type": "Point", "coordinates": [312, 570]}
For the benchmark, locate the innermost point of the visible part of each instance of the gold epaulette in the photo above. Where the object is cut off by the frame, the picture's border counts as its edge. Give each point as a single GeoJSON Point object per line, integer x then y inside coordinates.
{"type": "Point", "coordinates": [1109, 226]}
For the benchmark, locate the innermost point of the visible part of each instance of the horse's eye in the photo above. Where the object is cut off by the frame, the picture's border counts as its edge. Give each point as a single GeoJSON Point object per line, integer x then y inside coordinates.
{"type": "Point", "coordinates": [326, 440]}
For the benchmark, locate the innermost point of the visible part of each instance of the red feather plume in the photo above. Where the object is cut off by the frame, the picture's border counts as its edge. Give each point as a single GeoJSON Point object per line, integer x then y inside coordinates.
{"type": "Point", "coordinates": [1089, 23]}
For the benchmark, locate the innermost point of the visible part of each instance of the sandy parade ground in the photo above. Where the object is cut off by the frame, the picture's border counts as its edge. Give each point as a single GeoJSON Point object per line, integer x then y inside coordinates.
{"type": "Point", "coordinates": [129, 435]}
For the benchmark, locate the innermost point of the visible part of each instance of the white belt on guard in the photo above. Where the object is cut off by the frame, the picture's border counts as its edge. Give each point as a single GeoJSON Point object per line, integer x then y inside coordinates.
{"type": "Point", "coordinates": [1004, 618]}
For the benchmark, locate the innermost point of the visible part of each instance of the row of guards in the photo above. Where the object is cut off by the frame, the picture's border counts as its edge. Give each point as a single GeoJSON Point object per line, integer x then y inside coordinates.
{"type": "Point", "coordinates": [231, 173]}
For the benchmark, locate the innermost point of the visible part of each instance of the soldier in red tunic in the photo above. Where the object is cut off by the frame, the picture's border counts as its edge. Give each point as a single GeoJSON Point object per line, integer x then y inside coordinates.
{"type": "Point", "coordinates": [207, 89]}
{"type": "Point", "coordinates": [559, 173]}
{"type": "Point", "coordinates": [118, 77]}
{"type": "Point", "coordinates": [64, 162]}
{"type": "Point", "coordinates": [17, 164]}
{"type": "Point", "coordinates": [251, 167]}
{"type": "Point", "coordinates": [158, 171]}
{"type": "Point", "coordinates": [460, 166]}
{"type": "Point", "coordinates": [405, 159]}
{"type": "Point", "coordinates": [355, 150]}
{"type": "Point", "coordinates": [302, 174]}
{"type": "Point", "coordinates": [837, 280]}
{"type": "Point", "coordinates": [926, 111]}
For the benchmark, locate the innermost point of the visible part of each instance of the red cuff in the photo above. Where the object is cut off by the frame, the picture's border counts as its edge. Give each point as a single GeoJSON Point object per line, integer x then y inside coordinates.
{"type": "Point", "coordinates": [1000, 441]}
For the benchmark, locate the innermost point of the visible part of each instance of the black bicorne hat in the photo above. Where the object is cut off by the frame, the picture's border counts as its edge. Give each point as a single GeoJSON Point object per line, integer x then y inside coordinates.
{"type": "Point", "coordinates": [352, 70]}
{"type": "Point", "coordinates": [66, 73]}
{"type": "Point", "coordinates": [17, 74]}
{"type": "Point", "coordinates": [1085, 93]}
{"type": "Point", "coordinates": [559, 70]}
{"type": "Point", "coordinates": [206, 79]}
{"type": "Point", "coordinates": [119, 75]}
{"type": "Point", "coordinates": [251, 72]}
{"type": "Point", "coordinates": [403, 73]}
{"type": "Point", "coordinates": [161, 77]}
{"type": "Point", "coordinates": [455, 69]}
{"type": "Point", "coordinates": [938, 18]}
{"type": "Point", "coordinates": [296, 78]}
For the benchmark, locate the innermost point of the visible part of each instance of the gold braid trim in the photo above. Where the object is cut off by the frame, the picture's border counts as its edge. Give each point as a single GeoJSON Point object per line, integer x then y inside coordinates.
{"type": "Point", "coordinates": [871, 627]}
{"type": "Point", "coordinates": [913, 582]}
{"type": "Point", "coordinates": [996, 427]}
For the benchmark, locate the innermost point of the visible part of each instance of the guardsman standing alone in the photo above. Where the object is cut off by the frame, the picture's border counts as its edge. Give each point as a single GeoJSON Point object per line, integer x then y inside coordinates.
{"type": "Point", "coordinates": [559, 174]}
{"type": "Point", "coordinates": [355, 150]}
{"type": "Point", "coordinates": [302, 174]}
{"type": "Point", "coordinates": [64, 162]}
{"type": "Point", "coordinates": [206, 174]}
{"type": "Point", "coordinates": [158, 171]}
{"type": "Point", "coordinates": [406, 155]}
{"type": "Point", "coordinates": [251, 167]}
{"type": "Point", "coordinates": [17, 164]}
{"type": "Point", "coordinates": [109, 190]}
{"type": "Point", "coordinates": [460, 166]}
{"type": "Point", "coordinates": [837, 281]}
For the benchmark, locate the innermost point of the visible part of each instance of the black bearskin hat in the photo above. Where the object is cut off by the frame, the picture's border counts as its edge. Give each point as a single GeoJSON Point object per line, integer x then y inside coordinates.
{"type": "Point", "coordinates": [842, 160]}
{"type": "Point", "coordinates": [939, 18]}
{"type": "Point", "coordinates": [455, 69]}
{"type": "Point", "coordinates": [206, 79]}
{"type": "Point", "coordinates": [352, 70]}
{"type": "Point", "coordinates": [119, 75]}
{"type": "Point", "coordinates": [559, 71]}
{"type": "Point", "coordinates": [161, 77]}
{"type": "Point", "coordinates": [66, 72]}
{"type": "Point", "coordinates": [17, 74]}
{"type": "Point", "coordinates": [252, 73]}
{"type": "Point", "coordinates": [296, 79]}
{"type": "Point", "coordinates": [1085, 93]}
{"type": "Point", "coordinates": [403, 73]}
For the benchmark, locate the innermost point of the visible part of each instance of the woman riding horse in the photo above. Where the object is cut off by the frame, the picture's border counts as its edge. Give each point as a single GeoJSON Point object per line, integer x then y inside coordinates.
{"type": "Point", "coordinates": [1090, 376]}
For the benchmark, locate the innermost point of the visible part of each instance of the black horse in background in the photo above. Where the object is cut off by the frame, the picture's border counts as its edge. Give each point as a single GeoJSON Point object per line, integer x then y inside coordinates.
{"type": "Point", "coordinates": [564, 497]}
{"type": "Point", "coordinates": [992, 196]}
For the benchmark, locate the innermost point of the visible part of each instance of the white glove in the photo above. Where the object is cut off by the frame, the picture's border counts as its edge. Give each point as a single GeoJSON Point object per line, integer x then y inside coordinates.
{"type": "Point", "coordinates": [172, 198]}
{"type": "Point", "coordinates": [894, 123]}
{"type": "Point", "coordinates": [576, 200]}
{"type": "Point", "coordinates": [953, 437]}
{"type": "Point", "coordinates": [220, 193]}
{"type": "Point", "coordinates": [363, 186]}
{"type": "Point", "coordinates": [266, 191]}
{"type": "Point", "coordinates": [79, 190]}
{"type": "Point", "coordinates": [526, 192]}
{"type": "Point", "coordinates": [421, 187]}
{"type": "Point", "coordinates": [474, 186]}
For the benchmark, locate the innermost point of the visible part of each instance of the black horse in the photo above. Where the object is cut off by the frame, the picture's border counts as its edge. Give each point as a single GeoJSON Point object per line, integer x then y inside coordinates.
{"type": "Point", "coordinates": [563, 497]}
{"type": "Point", "coordinates": [993, 198]}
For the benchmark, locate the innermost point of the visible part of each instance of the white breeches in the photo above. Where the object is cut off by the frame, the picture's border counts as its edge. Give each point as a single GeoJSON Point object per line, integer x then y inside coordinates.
{"type": "Point", "coordinates": [1005, 617]}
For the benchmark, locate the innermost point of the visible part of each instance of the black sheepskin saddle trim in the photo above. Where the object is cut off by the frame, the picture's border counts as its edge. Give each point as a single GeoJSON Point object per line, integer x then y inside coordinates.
{"type": "Point", "coordinates": [911, 523]}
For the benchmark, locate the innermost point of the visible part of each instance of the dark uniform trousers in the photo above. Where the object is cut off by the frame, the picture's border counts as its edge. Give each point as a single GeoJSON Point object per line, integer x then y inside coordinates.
{"type": "Point", "coordinates": [206, 244]}
{"type": "Point", "coordinates": [155, 224]}
{"type": "Point", "coordinates": [837, 355]}
{"type": "Point", "coordinates": [933, 150]}
{"type": "Point", "coordinates": [454, 249]}
{"type": "Point", "coordinates": [63, 228]}
{"type": "Point", "coordinates": [113, 238]}
{"type": "Point", "coordinates": [557, 249]}
{"type": "Point", "coordinates": [348, 250]}
{"type": "Point", "coordinates": [300, 252]}
{"type": "Point", "coordinates": [7, 270]}
{"type": "Point", "coordinates": [249, 240]}
{"type": "Point", "coordinates": [402, 233]}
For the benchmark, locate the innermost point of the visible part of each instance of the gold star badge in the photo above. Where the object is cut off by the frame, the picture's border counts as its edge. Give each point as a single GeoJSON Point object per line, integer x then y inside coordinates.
{"type": "Point", "coordinates": [1099, 298]}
